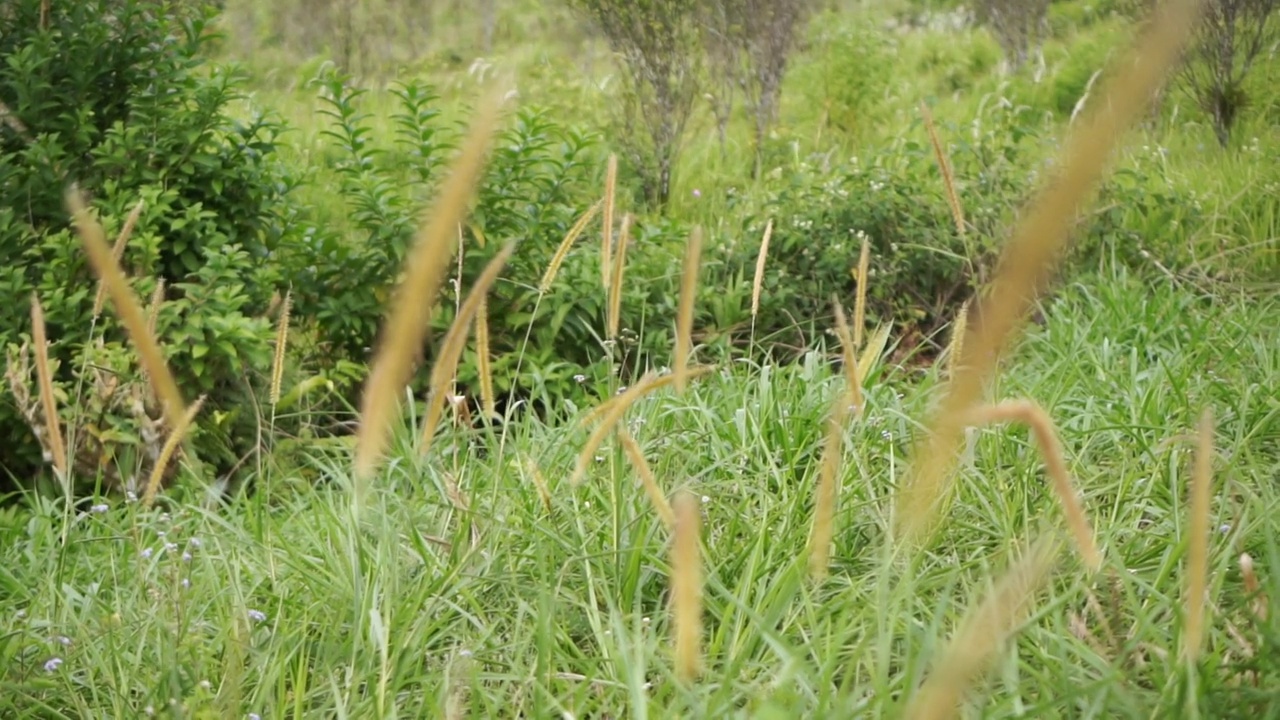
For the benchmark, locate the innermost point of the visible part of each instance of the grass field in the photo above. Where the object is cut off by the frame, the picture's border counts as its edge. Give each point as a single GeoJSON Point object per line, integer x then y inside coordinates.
{"type": "Point", "coordinates": [467, 591]}
{"type": "Point", "coordinates": [479, 580]}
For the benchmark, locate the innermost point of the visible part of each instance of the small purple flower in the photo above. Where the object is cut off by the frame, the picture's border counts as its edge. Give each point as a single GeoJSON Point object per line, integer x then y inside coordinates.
{"type": "Point", "coordinates": [63, 640]}
{"type": "Point", "coordinates": [186, 557]}
{"type": "Point", "coordinates": [146, 553]}
{"type": "Point", "coordinates": [254, 716]}
{"type": "Point", "coordinates": [697, 193]}
{"type": "Point", "coordinates": [53, 664]}
{"type": "Point", "coordinates": [186, 583]}
{"type": "Point", "coordinates": [194, 542]}
{"type": "Point", "coordinates": [257, 616]}
{"type": "Point", "coordinates": [1226, 528]}
{"type": "Point", "coordinates": [99, 508]}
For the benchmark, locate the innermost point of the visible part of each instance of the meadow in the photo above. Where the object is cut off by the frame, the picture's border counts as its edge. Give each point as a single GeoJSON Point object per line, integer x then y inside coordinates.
{"type": "Point", "coordinates": [702, 515]}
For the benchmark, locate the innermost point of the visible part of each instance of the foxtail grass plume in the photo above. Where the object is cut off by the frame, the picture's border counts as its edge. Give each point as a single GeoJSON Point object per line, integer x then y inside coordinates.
{"type": "Point", "coordinates": [1198, 540]}
{"type": "Point", "coordinates": [117, 252]}
{"type": "Point", "coordinates": [606, 235]}
{"type": "Point", "coordinates": [127, 307]}
{"type": "Point", "coordinates": [282, 342]}
{"type": "Point", "coordinates": [405, 327]}
{"type": "Point", "coordinates": [944, 166]}
{"type": "Point", "coordinates": [684, 313]}
{"type": "Point", "coordinates": [614, 318]}
{"type": "Point", "coordinates": [566, 245]}
{"type": "Point", "coordinates": [48, 403]}
{"type": "Point", "coordinates": [686, 587]}
{"type": "Point", "coordinates": [981, 633]}
{"type": "Point", "coordinates": [1251, 586]}
{"type": "Point", "coordinates": [1028, 261]}
{"type": "Point", "coordinates": [853, 379]}
{"type": "Point", "coordinates": [860, 304]}
{"type": "Point", "coordinates": [484, 366]}
{"type": "Point", "coordinates": [870, 356]}
{"type": "Point", "coordinates": [824, 506]}
{"type": "Point", "coordinates": [539, 482]}
{"type": "Point", "coordinates": [176, 437]}
{"type": "Point", "coordinates": [650, 484]}
{"type": "Point", "coordinates": [758, 283]}
{"type": "Point", "coordinates": [958, 329]}
{"type": "Point", "coordinates": [1034, 417]}
{"type": "Point", "coordinates": [446, 365]}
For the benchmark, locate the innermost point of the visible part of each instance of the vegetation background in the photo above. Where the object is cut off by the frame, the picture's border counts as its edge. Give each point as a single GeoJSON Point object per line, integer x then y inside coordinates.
{"type": "Point", "coordinates": [267, 167]}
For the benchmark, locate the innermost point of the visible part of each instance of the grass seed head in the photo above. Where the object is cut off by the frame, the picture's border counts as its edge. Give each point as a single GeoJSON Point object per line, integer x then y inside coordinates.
{"type": "Point", "coordinates": [57, 447]}
{"type": "Point", "coordinates": [758, 283]}
{"type": "Point", "coordinates": [684, 313]}
{"type": "Point", "coordinates": [615, 286]}
{"type": "Point", "coordinates": [686, 587]}
{"type": "Point", "coordinates": [1198, 540]}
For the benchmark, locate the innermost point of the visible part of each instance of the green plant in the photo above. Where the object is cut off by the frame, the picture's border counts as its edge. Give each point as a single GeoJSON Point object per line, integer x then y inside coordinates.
{"type": "Point", "coordinates": [113, 95]}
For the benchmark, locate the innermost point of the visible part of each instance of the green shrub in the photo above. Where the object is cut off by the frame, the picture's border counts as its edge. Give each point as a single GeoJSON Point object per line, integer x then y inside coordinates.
{"type": "Point", "coordinates": [113, 95]}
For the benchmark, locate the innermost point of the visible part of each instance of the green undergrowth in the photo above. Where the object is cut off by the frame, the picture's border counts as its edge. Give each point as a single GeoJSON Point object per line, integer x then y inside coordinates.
{"type": "Point", "coordinates": [458, 593]}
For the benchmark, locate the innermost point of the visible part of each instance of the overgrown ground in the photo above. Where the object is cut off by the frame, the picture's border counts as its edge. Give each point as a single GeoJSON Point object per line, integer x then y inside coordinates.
{"type": "Point", "coordinates": [465, 591]}
{"type": "Point", "coordinates": [478, 581]}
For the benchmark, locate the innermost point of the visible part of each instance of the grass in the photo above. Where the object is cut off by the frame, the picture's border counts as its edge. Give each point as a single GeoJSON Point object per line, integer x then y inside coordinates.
{"type": "Point", "coordinates": [461, 589]}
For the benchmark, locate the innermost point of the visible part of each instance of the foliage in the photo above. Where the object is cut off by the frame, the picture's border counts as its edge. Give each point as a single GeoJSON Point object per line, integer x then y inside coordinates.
{"type": "Point", "coordinates": [1229, 39]}
{"type": "Point", "coordinates": [1018, 25]}
{"type": "Point", "coordinates": [112, 95]}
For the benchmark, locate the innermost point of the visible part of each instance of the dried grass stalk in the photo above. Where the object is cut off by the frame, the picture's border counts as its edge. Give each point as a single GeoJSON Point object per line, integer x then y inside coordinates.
{"type": "Point", "coordinates": [1034, 417]}
{"type": "Point", "coordinates": [686, 587]}
{"type": "Point", "coordinates": [539, 482]}
{"type": "Point", "coordinates": [282, 342]}
{"type": "Point", "coordinates": [483, 365]}
{"type": "Point", "coordinates": [154, 304]}
{"type": "Point", "coordinates": [611, 412]}
{"type": "Point", "coordinates": [553, 267]}
{"type": "Point", "coordinates": [824, 506]}
{"type": "Point", "coordinates": [982, 631]}
{"type": "Point", "coordinates": [176, 436]}
{"type": "Point", "coordinates": [659, 500]}
{"type": "Point", "coordinates": [405, 328]}
{"type": "Point", "coordinates": [871, 353]}
{"type": "Point", "coordinates": [944, 165]}
{"type": "Point", "coordinates": [758, 283]}
{"type": "Point", "coordinates": [606, 235]}
{"type": "Point", "coordinates": [451, 348]}
{"type": "Point", "coordinates": [684, 313]}
{"type": "Point", "coordinates": [127, 307]}
{"type": "Point", "coordinates": [1198, 540]}
{"type": "Point", "coordinates": [860, 305]}
{"type": "Point", "coordinates": [648, 383]}
{"type": "Point", "coordinates": [117, 252]}
{"type": "Point", "coordinates": [958, 329]}
{"type": "Point", "coordinates": [1028, 260]}
{"type": "Point", "coordinates": [57, 446]}
{"type": "Point", "coordinates": [852, 376]}
{"type": "Point", "coordinates": [615, 287]}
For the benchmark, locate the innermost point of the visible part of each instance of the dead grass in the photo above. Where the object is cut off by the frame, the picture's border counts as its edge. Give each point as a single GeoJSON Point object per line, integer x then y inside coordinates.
{"type": "Point", "coordinates": [684, 312]}
{"type": "Point", "coordinates": [686, 587]}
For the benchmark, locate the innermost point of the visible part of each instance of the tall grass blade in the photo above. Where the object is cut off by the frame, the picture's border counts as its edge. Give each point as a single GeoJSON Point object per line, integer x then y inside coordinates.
{"type": "Point", "coordinates": [48, 403]}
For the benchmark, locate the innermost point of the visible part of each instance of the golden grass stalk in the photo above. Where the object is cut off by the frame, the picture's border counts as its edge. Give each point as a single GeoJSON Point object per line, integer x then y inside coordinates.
{"type": "Point", "coordinates": [686, 587]}
{"type": "Point", "coordinates": [451, 348]}
{"type": "Point", "coordinates": [539, 482]}
{"type": "Point", "coordinates": [684, 313]}
{"type": "Point", "coordinates": [1198, 540]}
{"type": "Point", "coordinates": [1034, 417]}
{"type": "Point", "coordinates": [176, 436]}
{"type": "Point", "coordinates": [647, 384]}
{"type": "Point", "coordinates": [57, 447]}
{"type": "Point", "coordinates": [553, 267]}
{"type": "Point", "coordinates": [483, 365]}
{"type": "Point", "coordinates": [651, 488]}
{"type": "Point", "coordinates": [117, 252]}
{"type": "Point", "coordinates": [871, 353]}
{"type": "Point", "coordinates": [615, 287]}
{"type": "Point", "coordinates": [824, 506]}
{"type": "Point", "coordinates": [611, 412]}
{"type": "Point", "coordinates": [853, 380]}
{"type": "Point", "coordinates": [154, 305]}
{"type": "Point", "coordinates": [606, 235]}
{"type": "Point", "coordinates": [860, 304]}
{"type": "Point", "coordinates": [130, 312]}
{"type": "Point", "coordinates": [758, 283]}
{"type": "Point", "coordinates": [405, 328]}
{"type": "Point", "coordinates": [282, 342]}
{"type": "Point", "coordinates": [948, 178]}
{"type": "Point", "coordinates": [1027, 263]}
{"type": "Point", "coordinates": [1253, 588]}
{"type": "Point", "coordinates": [958, 330]}
{"type": "Point", "coordinates": [981, 633]}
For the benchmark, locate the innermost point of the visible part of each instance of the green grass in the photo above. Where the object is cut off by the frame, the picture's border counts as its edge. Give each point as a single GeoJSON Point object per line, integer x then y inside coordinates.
{"type": "Point", "coordinates": [278, 603]}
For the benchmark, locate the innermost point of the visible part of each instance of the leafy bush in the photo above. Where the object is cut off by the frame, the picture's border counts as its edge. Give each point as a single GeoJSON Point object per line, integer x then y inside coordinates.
{"type": "Point", "coordinates": [113, 95]}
